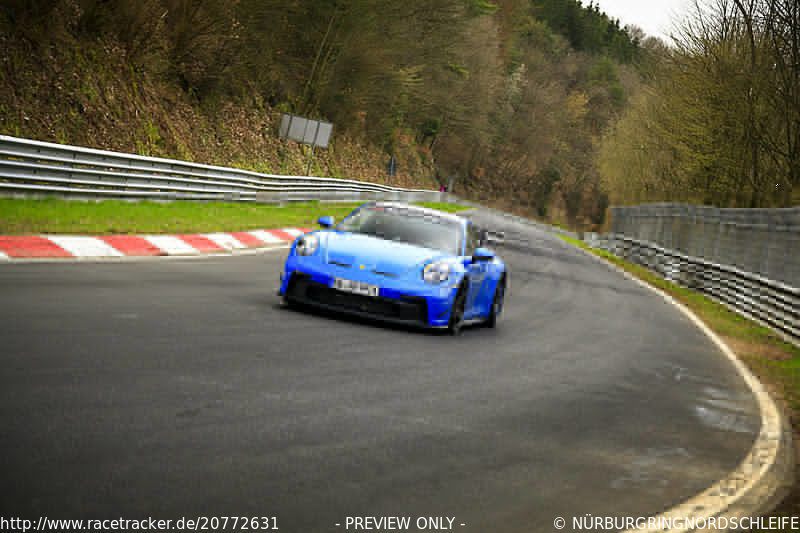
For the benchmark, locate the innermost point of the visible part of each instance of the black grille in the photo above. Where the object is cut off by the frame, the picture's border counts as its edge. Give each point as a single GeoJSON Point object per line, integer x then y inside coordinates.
{"type": "Point", "coordinates": [404, 309]}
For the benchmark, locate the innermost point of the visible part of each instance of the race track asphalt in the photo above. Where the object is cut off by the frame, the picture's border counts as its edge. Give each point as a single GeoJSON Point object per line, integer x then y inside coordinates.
{"type": "Point", "coordinates": [180, 388]}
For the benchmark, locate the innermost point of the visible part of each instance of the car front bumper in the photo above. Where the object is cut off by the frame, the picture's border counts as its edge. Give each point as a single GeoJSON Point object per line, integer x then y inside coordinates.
{"type": "Point", "coordinates": [399, 300]}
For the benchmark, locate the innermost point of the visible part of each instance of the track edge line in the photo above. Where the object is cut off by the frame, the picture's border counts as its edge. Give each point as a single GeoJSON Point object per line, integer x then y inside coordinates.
{"type": "Point", "coordinates": [765, 475]}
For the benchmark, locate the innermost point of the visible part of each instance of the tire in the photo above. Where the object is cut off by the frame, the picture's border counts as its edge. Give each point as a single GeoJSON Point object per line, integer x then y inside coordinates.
{"type": "Point", "coordinates": [457, 313]}
{"type": "Point", "coordinates": [286, 303]}
{"type": "Point", "coordinates": [497, 303]}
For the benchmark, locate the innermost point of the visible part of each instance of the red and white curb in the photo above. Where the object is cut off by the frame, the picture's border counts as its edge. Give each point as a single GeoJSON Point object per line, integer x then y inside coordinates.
{"type": "Point", "coordinates": [115, 246]}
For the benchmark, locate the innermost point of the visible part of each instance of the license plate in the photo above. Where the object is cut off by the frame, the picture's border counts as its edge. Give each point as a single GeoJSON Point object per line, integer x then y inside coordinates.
{"type": "Point", "coordinates": [355, 287]}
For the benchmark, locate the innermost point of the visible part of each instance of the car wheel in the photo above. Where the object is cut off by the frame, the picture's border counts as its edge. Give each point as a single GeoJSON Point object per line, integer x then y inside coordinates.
{"type": "Point", "coordinates": [457, 314]}
{"type": "Point", "coordinates": [286, 302]}
{"type": "Point", "coordinates": [497, 303]}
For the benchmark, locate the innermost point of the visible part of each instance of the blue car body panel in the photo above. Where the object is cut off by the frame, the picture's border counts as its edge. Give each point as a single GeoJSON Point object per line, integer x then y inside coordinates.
{"type": "Point", "coordinates": [397, 269]}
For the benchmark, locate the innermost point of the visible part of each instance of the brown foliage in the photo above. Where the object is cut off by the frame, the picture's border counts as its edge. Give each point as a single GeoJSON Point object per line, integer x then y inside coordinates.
{"type": "Point", "coordinates": [466, 90]}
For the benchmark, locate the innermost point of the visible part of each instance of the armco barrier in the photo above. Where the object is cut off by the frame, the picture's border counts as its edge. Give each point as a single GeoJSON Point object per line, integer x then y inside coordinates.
{"type": "Point", "coordinates": [773, 303]}
{"type": "Point", "coordinates": [760, 241]}
{"type": "Point", "coordinates": [34, 167]}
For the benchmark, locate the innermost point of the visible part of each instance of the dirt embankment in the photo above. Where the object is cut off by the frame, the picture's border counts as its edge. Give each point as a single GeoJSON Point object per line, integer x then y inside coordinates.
{"type": "Point", "coordinates": [88, 94]}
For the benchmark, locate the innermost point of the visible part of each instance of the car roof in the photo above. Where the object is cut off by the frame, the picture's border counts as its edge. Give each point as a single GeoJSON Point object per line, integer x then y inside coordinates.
{"type": "Point", "coordinates": [422, 211]}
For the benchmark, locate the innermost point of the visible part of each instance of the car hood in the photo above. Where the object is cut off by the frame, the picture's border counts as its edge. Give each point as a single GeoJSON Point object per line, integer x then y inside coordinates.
{"type": "Point", "coordinates": [376, 255]}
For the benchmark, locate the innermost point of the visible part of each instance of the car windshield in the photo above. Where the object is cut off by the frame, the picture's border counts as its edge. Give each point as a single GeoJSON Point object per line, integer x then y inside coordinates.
{"type": "Point", "coordinates": [406, 225]}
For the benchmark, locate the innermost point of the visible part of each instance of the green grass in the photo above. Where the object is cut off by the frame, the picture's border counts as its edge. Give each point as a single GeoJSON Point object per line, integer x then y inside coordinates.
{"type": "Point", "coordinates": [111, 217]}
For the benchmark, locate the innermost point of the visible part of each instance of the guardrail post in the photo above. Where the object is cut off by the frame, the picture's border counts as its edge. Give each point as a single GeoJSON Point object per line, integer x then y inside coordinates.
{"type": "Point", "coordinates": [717, 236]}
{"type": "Point", "coordinates": [791, 256]}
{"type": "Point", "coordinates": [763, 268]}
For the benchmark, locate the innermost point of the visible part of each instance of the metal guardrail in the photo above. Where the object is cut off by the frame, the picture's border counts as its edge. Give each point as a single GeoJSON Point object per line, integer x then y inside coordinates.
{"type": "Point", "coordinates": [761, 241]}
{"type": "Point", "coordinates": [34, 167]}
{"type": "Point", "coordinates": [770, 302]}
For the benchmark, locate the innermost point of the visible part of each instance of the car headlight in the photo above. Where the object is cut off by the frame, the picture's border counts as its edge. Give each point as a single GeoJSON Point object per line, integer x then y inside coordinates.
{"type": "Point", "coordinates": [307, 245]}
{"type": "Point", "coordinates": [436, 272]}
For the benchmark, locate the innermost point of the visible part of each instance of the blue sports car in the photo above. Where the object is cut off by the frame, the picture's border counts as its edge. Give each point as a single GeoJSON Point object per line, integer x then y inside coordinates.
{"type": "Point", "coordinates": [400, 263]}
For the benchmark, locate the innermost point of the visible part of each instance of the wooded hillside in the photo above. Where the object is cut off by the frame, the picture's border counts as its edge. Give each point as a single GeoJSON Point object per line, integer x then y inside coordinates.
{"type": "Point", "coordinates": [511, 100]}
{"type": "Point", "coordinates": [719, 120]}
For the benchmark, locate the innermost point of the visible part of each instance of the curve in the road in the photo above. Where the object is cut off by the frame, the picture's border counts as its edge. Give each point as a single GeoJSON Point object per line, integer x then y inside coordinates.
{"type": "Point", "coordinates": [760, 481]}
{"type": "Point", "coordinates": [181, 388]}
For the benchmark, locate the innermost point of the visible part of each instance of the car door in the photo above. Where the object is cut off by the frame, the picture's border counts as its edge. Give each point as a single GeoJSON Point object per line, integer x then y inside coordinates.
{"type": "Point", "coordinates": [478, 273]}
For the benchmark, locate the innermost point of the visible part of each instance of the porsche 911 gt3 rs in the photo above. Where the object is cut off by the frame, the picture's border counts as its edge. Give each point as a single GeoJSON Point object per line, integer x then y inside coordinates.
{"type": "Point", "coordinates": [400, 263]}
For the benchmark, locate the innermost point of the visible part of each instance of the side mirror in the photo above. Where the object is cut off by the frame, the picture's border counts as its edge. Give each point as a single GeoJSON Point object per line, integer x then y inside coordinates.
{"type": "Point", "coordinates": [482, 254]}
{"type": "Point", "coordinates": [326, 222]}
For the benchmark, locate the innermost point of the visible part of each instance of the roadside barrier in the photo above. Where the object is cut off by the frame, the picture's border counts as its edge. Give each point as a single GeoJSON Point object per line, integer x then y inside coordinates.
{"type": "Point", "coordinates": [759, 241]}
{"type": "Point", "coordinates": [39, 168]}
{"type": "Point", "coordinates": [770, 302]}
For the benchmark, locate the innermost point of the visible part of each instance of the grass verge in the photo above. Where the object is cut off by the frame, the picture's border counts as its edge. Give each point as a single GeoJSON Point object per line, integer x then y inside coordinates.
{"type": "Point", "coordinates": [114, 217]}
{"type": "Point", "coordinates": [774, 361]}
